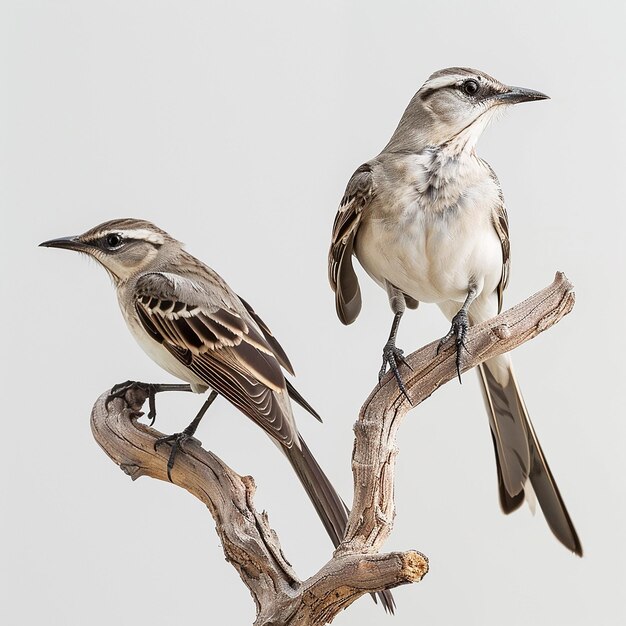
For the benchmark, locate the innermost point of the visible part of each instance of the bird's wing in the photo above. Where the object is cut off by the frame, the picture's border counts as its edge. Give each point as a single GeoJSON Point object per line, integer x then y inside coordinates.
{"type": "Point", "coordinates": [500, 221]}
{"type": "Point", "coordinates": [219, 345]}
{"type": "Point", "coordinates": [501, 224]}
{"type": "Point", "coordinates": [280, 354]}
{"type": "Point", "coordinates": [341, 274]}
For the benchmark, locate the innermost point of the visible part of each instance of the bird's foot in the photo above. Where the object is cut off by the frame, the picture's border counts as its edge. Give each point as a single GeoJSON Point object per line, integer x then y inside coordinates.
{"type": "Point", "coordinates": [178, 441]}
{"type": "Point", "coordinates": [392, 356]}
{"type": "Point", "coordinates": [458, 330]}
{"type": "Point", "coordinates": [149, 389]}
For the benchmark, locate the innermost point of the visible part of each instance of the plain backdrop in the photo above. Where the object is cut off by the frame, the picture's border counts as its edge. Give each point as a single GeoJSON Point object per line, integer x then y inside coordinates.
{"type": "Point", "coordinates": [236, 127]}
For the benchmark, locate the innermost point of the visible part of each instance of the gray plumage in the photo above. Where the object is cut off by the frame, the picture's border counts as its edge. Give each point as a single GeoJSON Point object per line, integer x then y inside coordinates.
{"type": "Point", "coordinates": [426, 219]}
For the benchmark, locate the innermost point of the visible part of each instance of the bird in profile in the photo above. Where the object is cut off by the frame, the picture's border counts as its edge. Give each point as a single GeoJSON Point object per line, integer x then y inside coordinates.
{"type": "Point", "coordinates": [192, 324]}
{"type": "Point", "coordinates": [426, 219]}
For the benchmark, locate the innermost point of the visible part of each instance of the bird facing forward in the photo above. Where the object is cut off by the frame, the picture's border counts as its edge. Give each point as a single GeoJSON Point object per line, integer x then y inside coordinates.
{"type": "Point", "coordinates": [426, 220]}
{"type": "Point", "coordinates": [192, 324]}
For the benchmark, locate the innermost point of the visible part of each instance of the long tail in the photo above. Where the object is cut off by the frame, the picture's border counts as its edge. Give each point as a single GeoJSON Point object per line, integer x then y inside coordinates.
{"type": "Point", "coordinates": [329, 506]}
{"type": "Point", "coordinates": [518, 454]}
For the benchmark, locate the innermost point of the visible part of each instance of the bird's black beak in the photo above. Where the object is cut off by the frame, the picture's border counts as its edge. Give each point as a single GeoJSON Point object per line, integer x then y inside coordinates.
{"type": "Point", "coordinates": [520, 94]}
{"type": "Point", "coordinates": [66, 243]}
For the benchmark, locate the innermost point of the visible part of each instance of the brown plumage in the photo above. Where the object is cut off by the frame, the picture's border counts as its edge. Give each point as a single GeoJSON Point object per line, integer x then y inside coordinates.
{"type": "Point", "coordinates": [187, 319]}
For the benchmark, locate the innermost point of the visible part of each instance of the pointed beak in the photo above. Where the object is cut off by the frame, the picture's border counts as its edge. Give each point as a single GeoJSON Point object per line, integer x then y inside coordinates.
{"type": "Point", "coordinates": [66, 243]}
{"type": "Point", "coordinates": [520, 94]}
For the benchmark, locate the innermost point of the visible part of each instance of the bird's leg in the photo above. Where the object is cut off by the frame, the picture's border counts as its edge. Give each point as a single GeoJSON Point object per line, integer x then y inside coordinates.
{"type": "Point", "coordinates": [459, 327]}
{"type": "Point", "coordinates": [392, 355]}
{"type": "Point", "coordinates": [151, 389]}
{"type": "Point", "coordinates": [178, 439]}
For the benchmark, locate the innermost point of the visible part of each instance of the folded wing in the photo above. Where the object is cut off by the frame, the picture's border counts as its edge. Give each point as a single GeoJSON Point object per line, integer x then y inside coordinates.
{"type": "Point", "coordinates": [341, 274]}
{"type": "Point", "coordinates": [221, 345]}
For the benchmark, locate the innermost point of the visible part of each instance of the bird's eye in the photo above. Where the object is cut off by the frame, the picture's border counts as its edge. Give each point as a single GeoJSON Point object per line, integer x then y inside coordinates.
{"type": "Point", "coordinates": [113, 241]}
{"type": "Point", "coordinates": [470, 87]}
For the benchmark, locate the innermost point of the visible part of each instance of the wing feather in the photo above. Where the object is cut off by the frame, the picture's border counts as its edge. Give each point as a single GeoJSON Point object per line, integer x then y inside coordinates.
{"type": "Point", "coordinates": [279, 353]}
{"type": "Point", "coordinates": [501, 224]}
{"type": "Point", "coordinates": [341, 275]}
{"type": "Point", "coordinates": [219, 346]}
{"type": "Point", "coordinates": [500, 221]}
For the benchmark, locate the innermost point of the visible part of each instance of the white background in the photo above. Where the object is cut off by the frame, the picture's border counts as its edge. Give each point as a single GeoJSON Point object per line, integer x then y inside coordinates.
{"type": "Point", "coordinates": [236, 129]}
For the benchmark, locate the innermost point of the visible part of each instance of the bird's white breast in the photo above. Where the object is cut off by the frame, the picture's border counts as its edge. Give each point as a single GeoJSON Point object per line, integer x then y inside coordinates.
{"type": "Point", "coordinates": [430, 230]}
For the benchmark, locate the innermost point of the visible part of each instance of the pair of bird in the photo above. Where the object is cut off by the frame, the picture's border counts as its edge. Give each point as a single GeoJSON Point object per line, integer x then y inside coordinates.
{"type": "Point", "coordinates": [426, 220]}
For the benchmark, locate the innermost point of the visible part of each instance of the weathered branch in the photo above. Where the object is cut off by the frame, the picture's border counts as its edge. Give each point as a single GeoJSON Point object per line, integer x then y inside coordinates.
{"type": "Point", "coordinates": [374, 456]}
{"type": "Point", "coordinates": [356, 568]}
{"type": "Point", "coordinates": [248, 541]}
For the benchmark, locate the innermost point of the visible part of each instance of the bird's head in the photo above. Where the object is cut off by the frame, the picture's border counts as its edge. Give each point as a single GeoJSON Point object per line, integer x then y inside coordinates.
{"type": "Point", "coordinates": [454, 106]}
{"type": "Point", "coordinates": [124, 247]}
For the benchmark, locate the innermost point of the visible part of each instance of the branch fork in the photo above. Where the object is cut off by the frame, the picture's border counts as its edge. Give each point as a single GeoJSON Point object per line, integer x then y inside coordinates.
{"type": "Point", "coordinates": [357, 567]}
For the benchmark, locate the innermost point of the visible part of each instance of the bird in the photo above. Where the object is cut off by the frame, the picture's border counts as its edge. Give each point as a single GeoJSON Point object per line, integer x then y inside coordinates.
{"type": "Point", "coordinates": [426, 220]}
{"type": "Point", "coordinates": [192, 324]}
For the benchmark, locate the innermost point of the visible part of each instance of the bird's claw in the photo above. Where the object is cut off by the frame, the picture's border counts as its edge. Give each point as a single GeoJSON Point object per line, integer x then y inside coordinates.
{"type": "Point", "coordinates": [151, 389]}
{"type": "Point", "coordinates": [177, 440]}
{"type": "Point", "coordinates": [393, 355]}
{"type": "Point", "coordinates": [458, 329]}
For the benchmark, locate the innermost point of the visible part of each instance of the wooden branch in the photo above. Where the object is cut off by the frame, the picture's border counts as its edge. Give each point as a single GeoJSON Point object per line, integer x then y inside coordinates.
{"type": "Point", "coordinates": [374, 456]}
{"type": "Point", "coordinates": [356, 567]}
{"type": "Point", "coordinates": [249, 543]}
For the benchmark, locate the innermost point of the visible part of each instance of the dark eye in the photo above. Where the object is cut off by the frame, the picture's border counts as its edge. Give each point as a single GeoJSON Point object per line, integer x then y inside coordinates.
{"type": "Point", "coordinates": [470, 87]}
{"type": "Point", "coordinates": [113, 241]}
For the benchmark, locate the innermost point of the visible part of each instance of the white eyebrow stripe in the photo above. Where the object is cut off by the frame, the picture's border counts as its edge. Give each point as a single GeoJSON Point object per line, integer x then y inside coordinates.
{"type": "Point", "coordinates": [443, 81]}
{"type": "Point", "coordinates": [143, 234]}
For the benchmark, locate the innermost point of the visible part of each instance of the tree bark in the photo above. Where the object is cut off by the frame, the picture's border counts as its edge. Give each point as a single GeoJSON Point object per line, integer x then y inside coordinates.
{"type": "Point", "coordinates": [356, 567]}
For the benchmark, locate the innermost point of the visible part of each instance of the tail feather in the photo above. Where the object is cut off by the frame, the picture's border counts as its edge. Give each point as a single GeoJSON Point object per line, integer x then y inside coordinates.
{"type": "Point", "coordinates": [519, 456]}
{"type": "Point", "coordinates": [508, 503]}
{"type": "Point", "coordinates": [549, 496]}
{"type": "Point", "coordinates": [506, 418]}
{"type": "Point", "coordinates": [329, 506]}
